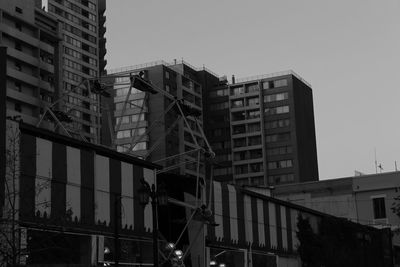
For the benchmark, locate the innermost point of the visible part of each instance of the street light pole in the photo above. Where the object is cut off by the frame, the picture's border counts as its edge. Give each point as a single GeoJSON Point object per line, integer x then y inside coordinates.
{"type": "Point", "coordinates": [154, 205]}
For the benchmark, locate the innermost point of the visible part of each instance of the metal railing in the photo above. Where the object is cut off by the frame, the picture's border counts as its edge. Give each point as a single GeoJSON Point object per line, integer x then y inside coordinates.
{"type": "Point", "coordinates": [270, 75]}
{"type": "Point", "coordinates": [137, 67]}
{"type": "Point", "coordinates": [159, 62]}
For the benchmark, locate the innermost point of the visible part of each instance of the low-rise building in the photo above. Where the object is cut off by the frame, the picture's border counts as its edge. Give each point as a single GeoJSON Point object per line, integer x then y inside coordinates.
{"type": "Point", "coordinates": [366, 199]}
{"type": "Point", "coordinates": [70, 202]}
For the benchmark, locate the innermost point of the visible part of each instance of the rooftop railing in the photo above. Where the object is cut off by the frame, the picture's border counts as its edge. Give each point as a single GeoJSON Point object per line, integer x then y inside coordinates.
{"type": "Point", "coordinates": [270, 75]}
{"type": "Point", "coordinates": [137, 67]}
{"type": "Point", "coordinates": [159, 62]}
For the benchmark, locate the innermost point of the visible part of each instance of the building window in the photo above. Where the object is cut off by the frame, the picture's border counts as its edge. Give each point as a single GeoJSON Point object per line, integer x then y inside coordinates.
{"type": "Point", "coordinates": [239, 129]}
{"type": "Point", "coordinates": [140, 146]}
{"type": "Point", "coordinates": [256, 167]}
{"type": "Point", "coordinates": [123, 119]}
{"type": "Point", "coordinates": [255, 154]}
{"type": "Point", "coordinates": [18, 46]}
{"type": "Point", "coordinates": [280, 164]}
{"type": "Point", "coordinates": [252, 88]}
{"type": "Point", "coordinates": [276, 97]}
{"type": "Point", "coordinates": [281, 178]}
{"type": "Point", "coordinates": [253, 101]}
{"type": "Point", "coordinates": [18, 66]}
{"type": "Point", "coordinates": [241, 142]}
{"type": "Point", "coordinates": [279, 150]}
{"type": "Point", "coordinates": [17, 107]}
{"type": "Point", "coordinates": [275, 84]}
{"type": "Point", "coordinates": [222, 92]}
{"type": "Point", "coordinates": [91, 6]}
{"type": "Point", "coordinates": [137, 117]}
{"type": "Point", "coordinates": [253, 127]}
{"type": "Point", "coordinates": [237, 90]}
{"type": "Point", "coordinates": [241, 169]}
{"type": "Point", "coordinates": [379, 207]}
{"type": "Point", "coordinates": [280, 83]}
{"type": "Point", "coordinates": [167, 75]}
{"type": "Point", "coordinates": [237, 103]}
{"type": "Point", "coordinates": [278, 137]}
{"type": "Point", "coordinates": [253, 114]}
{"type": "Point", "coordinates": [18, 10]}
{"type": "Point", "coordinates": [240, 155]}
{"type": "Point", "coordinates": [129, 105]}
{"type": "Point", "coordinates": [277, 124]}
{"type": "Point", "coordinates": [254, 140]}
{"type": "Point", "coordinates": [219, 92]}
{"type": "Point", "coordinates": [238, 116]}
{"type": "Point", "coordinates": [18, 86]}
{"type": "Point", "coordinates": [267, 85]}
{"type": "Point", "coordinates": [276, 110]}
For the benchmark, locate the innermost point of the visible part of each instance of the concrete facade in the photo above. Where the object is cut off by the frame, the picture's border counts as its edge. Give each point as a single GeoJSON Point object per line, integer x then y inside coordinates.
{"type": "Point", "coordinates": [33, 39]}
{"type": "Point", "coordinates": [263, 130]}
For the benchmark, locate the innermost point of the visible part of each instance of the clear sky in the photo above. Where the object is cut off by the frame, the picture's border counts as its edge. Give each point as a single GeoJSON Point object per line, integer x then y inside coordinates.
{"type": "Point", "coordinates": [349, 50]}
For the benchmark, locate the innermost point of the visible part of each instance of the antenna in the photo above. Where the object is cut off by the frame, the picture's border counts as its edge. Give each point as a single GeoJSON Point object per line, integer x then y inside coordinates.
{"type": "Point", "coordinates": [376, 163]}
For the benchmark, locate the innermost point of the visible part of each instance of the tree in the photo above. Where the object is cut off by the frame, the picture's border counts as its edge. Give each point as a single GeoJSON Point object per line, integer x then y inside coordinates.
{"type": "Point", "coordinates": [13, 237]}
{"type": "Point", "coordinates": [10, 249]}
{"type": "Point", "coordinates": [310, 246]}
{"type": "Point", "coordinates": [396, 206]}
{"type": "Point", "coordinates": [339, 242]}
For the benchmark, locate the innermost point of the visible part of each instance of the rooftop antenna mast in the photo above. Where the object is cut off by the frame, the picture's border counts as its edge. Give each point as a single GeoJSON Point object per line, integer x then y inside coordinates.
{"type": "Point", "coordinates": [376, 162]}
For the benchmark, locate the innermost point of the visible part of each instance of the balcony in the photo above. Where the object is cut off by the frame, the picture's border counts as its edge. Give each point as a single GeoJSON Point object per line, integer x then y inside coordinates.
{"type": "Point", "coordinates": [34, 101]}
{"type": "Point", "coordinates": [18, 75]}
{"type": "Point", "coordinates": [20, 35]}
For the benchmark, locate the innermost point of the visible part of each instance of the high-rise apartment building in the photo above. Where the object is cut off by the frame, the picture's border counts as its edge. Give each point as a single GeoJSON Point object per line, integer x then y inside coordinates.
{"type": "Point", "coordinates": [148, 126]}
{"type": "Point", "coordinates": [32, 40]}
{"type": "Point", "coordinates": [262, 129]}
{"type": "Point", "coordinates": [53, 48]}
{"type": "Point", "coordinates": [83, 51]}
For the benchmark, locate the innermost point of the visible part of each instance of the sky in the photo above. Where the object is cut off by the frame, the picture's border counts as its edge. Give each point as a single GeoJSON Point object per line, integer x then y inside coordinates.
{"type": "Point", "coordinates": [348, 50]}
